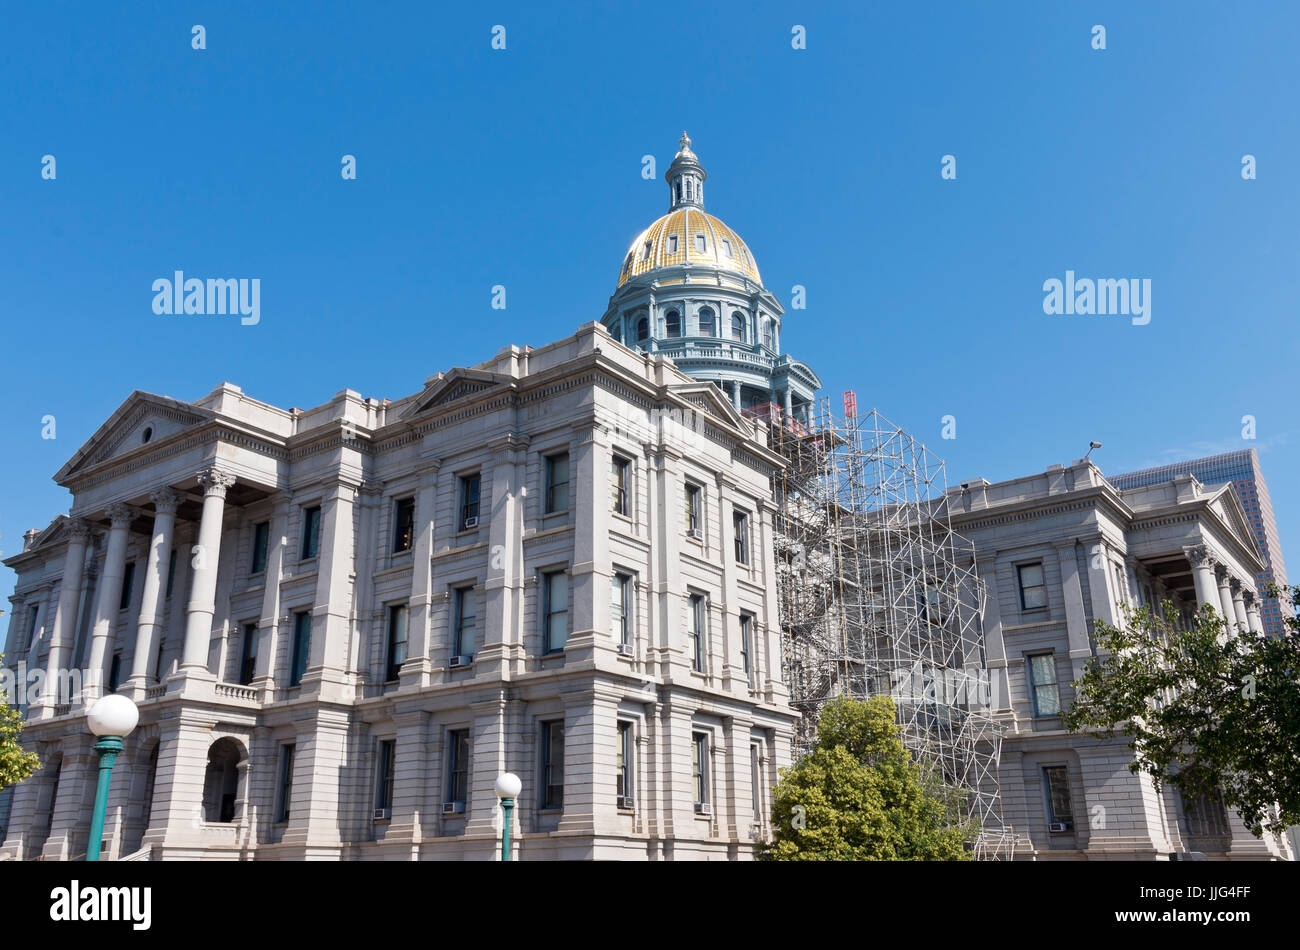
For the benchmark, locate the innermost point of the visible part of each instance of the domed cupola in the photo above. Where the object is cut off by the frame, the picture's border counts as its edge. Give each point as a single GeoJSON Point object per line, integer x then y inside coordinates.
{"type": "Point", "coordinates": [689, 287]}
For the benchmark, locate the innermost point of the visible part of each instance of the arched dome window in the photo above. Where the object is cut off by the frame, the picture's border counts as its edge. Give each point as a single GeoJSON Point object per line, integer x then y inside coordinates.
{"type": "Point", "coordinates": [700, 244]}
{"type": "Point", "coordinates": [672, 244]}
{"type": "Point", "coordinates": [672, 323]}
{"type": "Point", "coordinates": [642, 329]}
{"type": "Point", "coordinates": [679, 191]}
{"type": "Point", "coordinates": [645, 250]}
{"type": "Point", "coordinates": [707, 326]}
{"type": "Point", "coordinates": [738, 326]}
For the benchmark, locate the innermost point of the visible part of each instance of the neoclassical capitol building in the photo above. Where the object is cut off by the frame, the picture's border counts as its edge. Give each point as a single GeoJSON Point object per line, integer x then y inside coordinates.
{"type": "Point", "coordinates": [342, 624]}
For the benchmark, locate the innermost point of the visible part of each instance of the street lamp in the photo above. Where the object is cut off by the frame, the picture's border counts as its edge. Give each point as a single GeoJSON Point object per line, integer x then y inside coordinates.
{"type": "Point", "coordinates": [112, 718]}
{"type": "Point", "coordinates": [508, 786]}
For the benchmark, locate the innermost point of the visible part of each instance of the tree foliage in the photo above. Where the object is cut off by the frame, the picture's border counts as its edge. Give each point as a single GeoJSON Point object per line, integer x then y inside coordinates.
{"type": "Point", "coordinates": [15, 763]}
{"type": "Point", "coordinates": [858, 796]}
{"type": "Point", "coordinates": [1206, 707]}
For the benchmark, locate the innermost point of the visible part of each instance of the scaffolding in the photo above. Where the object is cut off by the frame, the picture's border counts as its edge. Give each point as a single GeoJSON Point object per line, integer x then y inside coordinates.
{"type": "Point", "coordinates": [878, 595]}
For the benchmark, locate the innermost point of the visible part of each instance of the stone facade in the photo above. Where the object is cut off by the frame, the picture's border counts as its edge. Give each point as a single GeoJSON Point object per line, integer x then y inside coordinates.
{"type": "Point", "coordinates": [357, 616]}
{"type": "Point", "coordinates": [1058, 551]}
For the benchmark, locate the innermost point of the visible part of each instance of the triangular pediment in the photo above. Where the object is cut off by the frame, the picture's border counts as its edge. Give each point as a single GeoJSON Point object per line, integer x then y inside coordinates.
{"type": "Point", "coordinates": [707, 398]}
{"type": "Point", "coordinates": [143, 419]}
{"type": "Point", "coordinates": [453, 386]}
{"type": "Point", "coordinates": [1227, 505]}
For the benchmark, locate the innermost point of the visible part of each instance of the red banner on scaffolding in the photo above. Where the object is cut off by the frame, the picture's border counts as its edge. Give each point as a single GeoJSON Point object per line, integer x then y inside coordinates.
{"type": "Point", "coordinates": [850, 403]}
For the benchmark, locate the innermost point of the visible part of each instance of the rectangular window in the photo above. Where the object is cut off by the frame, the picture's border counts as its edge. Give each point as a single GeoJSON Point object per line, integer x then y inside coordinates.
{"type": "Point", "coordinates": [693, 510]}
{"type": "Point", "coordinates": [697, 630]}
{"type": "Point", "coordinates": [458, 766]}
{"type": "Point", "coordinates": [553, 764]}
{"type": "Point", "coordinates": [1033, 592]}
{"type": "Point", "coordinates": [247, 654]}
{"type": "Point", "coordinates": [171, 572]}
{"type": "Point", "coordinates": [310, 532]}
{"type": "Point", "coordinates": [700, 766]}
{"type": "Point", "coordinates": [623, 778]}
{"type": "Point", "coordinates": [1205, 817]}
{"type": "Point", "coordinates": [463, 636]}
{"type": "Point", "coordinates": [286, 783]}
{"type": "Point", "coordinates": [1042, 680]}
{"type": "Point", "coordinates": [158, 660]}
{"type": "Point", "coordinates": [1059, 809]}
{"type": "Point", "coordinates": [396, 642]}
{"type": "Point", "coordinates": [556, 610]}
{"type": "Point", "coordinates": [261, 538]}
{"type": "Point", "coordinates": [31, 626]}
{"type": "Point", "coordinates": [747, 645]}
{"type": "Point", "coordinates": [115, 672]}
{"type": "Point", "coordinates": [620, 469]}
{"type": "Point", "coordinates": [403, 524]}
{"type": "Point", "coordinates": [301, 647]}
{"type": "Point", "coordinates": [756, 780]}
{"type": "Point", "coordinates": [620, 607]}
{"type": "Point", "coordinates": [384, 774]}
{"type": "Point", "coordinates": [740, 522]}
{"type": "Point", "coordinates": [557, 483]}
{"type": "Point", "coordinates": [128, 581]}
{"type": "Point", "coordinates": [470, 486]}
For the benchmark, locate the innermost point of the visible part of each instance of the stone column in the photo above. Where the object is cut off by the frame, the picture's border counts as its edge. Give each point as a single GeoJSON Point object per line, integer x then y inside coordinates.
{"type": "Point", "coordinates": [1203, 575]}
{"type": "Point", "coordinates": [994, 643]}
{"type": "Point", "coordinates": [1238, 604]}
{"type": "Point", "coordinates": [106, 601]}
{"type": "Point", "coordinates": [268, 624]}
{"type": "Point", "coordinates": [499, 646]}
{"type": "Point", "coordinates": [589, 576]}
{"type": "Point", "coordinates": [722, 661]}
{"type": "Point", "coordinates": [1254, 623]}
{"type": "Point", "coordinates": [155, 582]}
{"type": "Point", "coordinates": [417, 669]}
{"type": "Point", "coordinates": [735, 393]}
{"type": "Point", "coordinates": [331, 621]}
{"type": "Point", "coordinates": [63, 632]}
{"type": "Point", "coordinates": [203, 587]}
{"type": "Point", "coordinates": [787, 402]}
{"type": "Point", "coordinates": [1225, 595]}
{"type": "Point", "coordinates": [1076, 617]}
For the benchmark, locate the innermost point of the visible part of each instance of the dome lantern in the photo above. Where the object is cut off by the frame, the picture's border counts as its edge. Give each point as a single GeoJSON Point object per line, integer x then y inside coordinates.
{"type": "Point", "coordinates": [685, 177]}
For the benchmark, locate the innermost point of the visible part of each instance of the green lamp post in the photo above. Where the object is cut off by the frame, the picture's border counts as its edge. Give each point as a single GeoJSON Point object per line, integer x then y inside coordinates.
{"type": "Point", "coordinates": [508, 786]}
{"type": "Point", "coordinates": [112, 718]}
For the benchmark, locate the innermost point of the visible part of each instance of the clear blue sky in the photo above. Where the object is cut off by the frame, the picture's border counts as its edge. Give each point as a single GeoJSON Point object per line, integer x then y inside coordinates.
{"type": "Point", "coordinates": [479, 167]}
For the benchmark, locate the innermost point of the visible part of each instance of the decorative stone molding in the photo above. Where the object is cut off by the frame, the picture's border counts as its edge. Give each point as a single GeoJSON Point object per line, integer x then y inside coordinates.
{"type": "Point", "coordinates": [120, 515]}
{"type": "Point", "coordinates": [165, 501]}
{"type": "Point", "coordinates": [1235, 585]}
{"type": "Point", "coordinates": [1249, 596]}
{"type": "Point", "coordinates": [1199, 556]}
{"type": "Point", "coordinates": [1220, 571]}
{"type": "Point", "coordinates": [215, 482]}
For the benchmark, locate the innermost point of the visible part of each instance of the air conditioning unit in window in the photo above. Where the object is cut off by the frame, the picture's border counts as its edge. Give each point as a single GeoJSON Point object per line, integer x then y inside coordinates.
{"type": "Point", "coordinates": [694, 533]}
{"type": "Point", "coordinates": [453, 808]}
{"type": "Point", "coordinates": [703, 808]}
{"type": "Point", "coordinates": [1057, 827]}
{"type": "Point", "coordinates": [625, 649]}
{"type": "Point", "coordinates": [626, 801]}
{"type": "Point", "coordinates": [469, 523]}
{"type": "Point", "coordinates": [457, 662]}
{"type": "Point", "coordinates": [383, 814]}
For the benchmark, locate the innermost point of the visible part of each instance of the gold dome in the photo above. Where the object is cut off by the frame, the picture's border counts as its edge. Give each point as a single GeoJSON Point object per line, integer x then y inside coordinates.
{"type": "Point", "coordinates": [688, 236]}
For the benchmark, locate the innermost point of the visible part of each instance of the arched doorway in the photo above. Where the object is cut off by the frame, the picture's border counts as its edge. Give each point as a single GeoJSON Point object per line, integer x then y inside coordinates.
{"type": "Point", "coordinates": [221, 781]}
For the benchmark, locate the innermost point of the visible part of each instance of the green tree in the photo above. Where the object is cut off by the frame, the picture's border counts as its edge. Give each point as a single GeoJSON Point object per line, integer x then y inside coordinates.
{"type": "Point", "coordinates": [15, 763]}
{"type": "Point", "coordinates": [858, 796]}
{"type": "Point", "coordinates": [1206, 707]}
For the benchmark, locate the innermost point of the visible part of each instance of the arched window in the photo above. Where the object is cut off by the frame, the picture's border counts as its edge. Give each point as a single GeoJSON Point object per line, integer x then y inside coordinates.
{"type": "Point", "coordinates": [642, 329]}
{"type": "Point", "coordinates": [221, 781]}
{"type": "Point", "coordinates": [679, 191]}
{"type": "Point", "coordinates": [672, 323]}
{"type": "Point", "coordinates": [738, 326]}
{"type": "Point", "coordinates": [707, 326]}
{"type": "Point", "coordinates": [769, 335]}
{"type": "Point", "coordinates": [688, 189]}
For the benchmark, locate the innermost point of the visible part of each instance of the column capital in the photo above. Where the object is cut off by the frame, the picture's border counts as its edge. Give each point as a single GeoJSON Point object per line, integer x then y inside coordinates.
{"type": "Point", "coordinates": [1199, 556]}
{"type": "Point", "coordinates": [165, 501]}
{"type": "Point", "coordinates": [1250, 597]}
{"type": "Point", "coordinates": [120, 515]}
{"type": "Point", "coordinates": [78, 531]}
{"type": "Point", "coordinates": [1221, 571]}
{"type": "Point", "coordinates": [1235, 584]}
{"type": "Point", "coordinates": [215, 481]}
